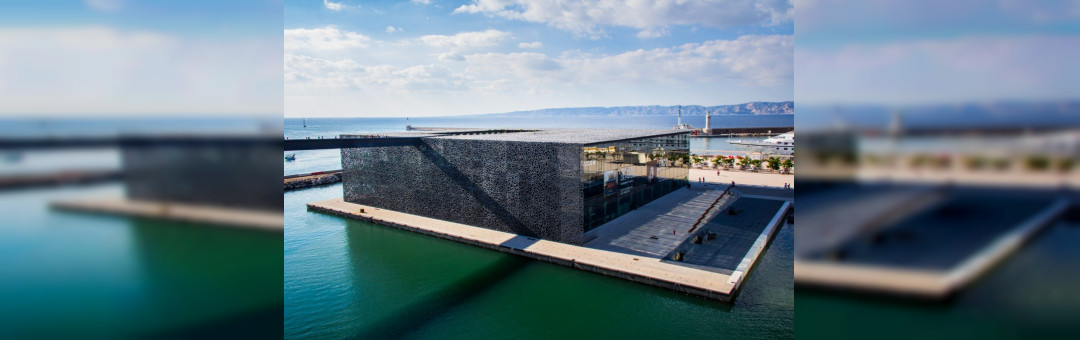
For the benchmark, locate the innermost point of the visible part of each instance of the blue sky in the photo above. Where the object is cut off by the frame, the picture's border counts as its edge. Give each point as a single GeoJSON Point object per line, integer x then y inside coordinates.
{"type": "Point", "coordinates": [138, 58]}
{"type": "Point", "coordinates": [434, 57]}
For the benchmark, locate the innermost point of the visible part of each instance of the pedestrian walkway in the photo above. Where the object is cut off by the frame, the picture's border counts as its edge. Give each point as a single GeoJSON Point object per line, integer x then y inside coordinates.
{"type": "Point", "coordinates": [734, 235]}
{"type": "Point", "coordinates": [645, 270]}
{"type": "Point", "coordinates": [655, 229]}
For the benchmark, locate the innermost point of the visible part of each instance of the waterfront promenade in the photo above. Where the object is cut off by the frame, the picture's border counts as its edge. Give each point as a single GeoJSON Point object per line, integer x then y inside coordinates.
{"type": "Point", "coordinates": [642, 269]}
{"type": "Point", "coordinates": [200, 214]}
{"type": "Point", "coordinates": [626, 247]}
{"type": "Point", "coordinates": [742, 177]}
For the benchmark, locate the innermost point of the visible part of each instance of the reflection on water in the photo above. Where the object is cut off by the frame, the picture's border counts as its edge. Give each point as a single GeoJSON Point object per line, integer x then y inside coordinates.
{"type": "Point", "coordinates": [185, 269]}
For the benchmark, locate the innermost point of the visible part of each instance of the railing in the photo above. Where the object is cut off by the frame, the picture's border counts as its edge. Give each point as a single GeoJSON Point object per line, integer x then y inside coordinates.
{"type": "Point", "coordinates": [711, 206]}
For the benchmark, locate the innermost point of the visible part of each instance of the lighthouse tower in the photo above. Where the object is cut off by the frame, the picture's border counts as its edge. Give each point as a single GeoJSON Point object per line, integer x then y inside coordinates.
{"type": "Point", "coordinates": [708, 125]}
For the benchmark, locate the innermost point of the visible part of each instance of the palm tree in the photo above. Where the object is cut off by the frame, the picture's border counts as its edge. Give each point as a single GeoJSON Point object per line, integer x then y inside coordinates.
{"type": "Point", "coordinates": [774, 163]}
{"type": "Point", "coordinates": [788, 164]}
{"type": "Point", "coordinates": [728, 162]}
{"type": "Point", "coordinates": [1037, 162]}
{"type": "Point", "coordinates": [756, 163]}
{"type": "Point", "coordinates": [1065, 164]}
{"type": "Point", "coordinates": [744, 161]}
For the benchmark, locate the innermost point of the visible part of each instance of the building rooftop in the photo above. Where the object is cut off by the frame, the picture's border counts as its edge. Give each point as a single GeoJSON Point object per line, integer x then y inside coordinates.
{"type": "Point", "coordinates": [569, 136]}
{"type": "Point", "coordinates": [394, 134]}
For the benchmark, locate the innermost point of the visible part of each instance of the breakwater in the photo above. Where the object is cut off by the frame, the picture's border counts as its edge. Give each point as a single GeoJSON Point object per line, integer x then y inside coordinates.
{"type": "Point", "coordinates": [58, 179]}
{"type": "Point", "coordinates": [293, 182]}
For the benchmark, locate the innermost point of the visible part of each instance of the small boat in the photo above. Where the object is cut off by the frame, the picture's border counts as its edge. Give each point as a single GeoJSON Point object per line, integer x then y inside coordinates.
{"type": "Point", "coordinates": [290, 157]}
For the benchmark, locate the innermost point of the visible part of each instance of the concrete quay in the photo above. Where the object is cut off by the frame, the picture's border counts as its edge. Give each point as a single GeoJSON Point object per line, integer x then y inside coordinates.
{"type": "Point", "coordinates": [623, 249]}
{"type": "Point", "coordinates": [202, 214]}
{"type": "Point", "coordinates": [924, 283]}
{"type": "Point", "coordinates": [647, 270]}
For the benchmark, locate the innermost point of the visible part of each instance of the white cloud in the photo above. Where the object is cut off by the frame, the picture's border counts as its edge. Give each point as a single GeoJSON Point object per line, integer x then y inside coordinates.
{"type": "Point", "coordinates": [422, 2]}
{"type": "Point", "coordinates": [749, 61]}
{"type": "Point", "coordinates": [588, 17]}
{"type": "Point", "coordinates": [650, 33]}
{"type": "Point", "coordinates": [533, 45]}
{"type": "Point", "coordinates": [463, 73]}
{"type": "Point", "coordinates": [466, 40]}
{"type": "Point", "coordinates": [101, 69]}
{"type": "Point", "coordinates": [326, 38]}
{"type": "Point", "coordinates": [452, 56]}
{"type": "Point", "coordinates": [303, 72]}
{"type": "Point", "coordinates": [392, 29]}
{"type": "Point", "coordinates": [334, 6]}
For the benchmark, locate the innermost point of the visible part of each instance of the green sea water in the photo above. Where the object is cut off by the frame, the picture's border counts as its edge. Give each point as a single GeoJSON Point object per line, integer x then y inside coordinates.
{"type": "Point", "coordinates": [76, 275]}
{"type": "Point", "coordinates": [351, 279]}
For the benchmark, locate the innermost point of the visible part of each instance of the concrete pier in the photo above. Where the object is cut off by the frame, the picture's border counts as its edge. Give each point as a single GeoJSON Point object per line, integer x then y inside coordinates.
{"type": "Point", "coordinates": [229, 217]}
{"type": "Point", "coordinates": [641, 267]}
{"type": "Point", "coordinates": [923, 282]}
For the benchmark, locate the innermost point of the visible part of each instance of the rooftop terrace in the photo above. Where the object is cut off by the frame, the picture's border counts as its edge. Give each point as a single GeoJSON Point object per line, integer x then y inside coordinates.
{"type": "Point", "coordinates": [563, 136]}
{"type": "Point", "coordinates": [569, 136]}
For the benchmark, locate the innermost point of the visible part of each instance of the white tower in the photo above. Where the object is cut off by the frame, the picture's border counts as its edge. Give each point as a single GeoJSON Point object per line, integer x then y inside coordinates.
{"type": "Point", "coordinates": [708, 126]}
{"type": "Point", "coordinates": [680, 116]}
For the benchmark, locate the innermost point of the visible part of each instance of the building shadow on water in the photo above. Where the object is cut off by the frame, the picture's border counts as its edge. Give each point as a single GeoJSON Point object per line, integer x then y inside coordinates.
{"type": "Point", "coordinates": [201, 280]}
{"type": "Point", "coordinates": [415, 315]}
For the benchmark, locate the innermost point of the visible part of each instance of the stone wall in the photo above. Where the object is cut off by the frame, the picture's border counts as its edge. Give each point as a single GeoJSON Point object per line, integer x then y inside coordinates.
{"type": "Point", "coordinates": [527, 188]}
{"type": "Point", "coordinates": [302, 182]}
{"type": "Point", "coordinates": [236, 173]}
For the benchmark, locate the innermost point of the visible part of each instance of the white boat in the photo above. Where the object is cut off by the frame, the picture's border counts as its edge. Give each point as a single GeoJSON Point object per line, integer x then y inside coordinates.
{"type": "Point", "coordinates": [779, 144]}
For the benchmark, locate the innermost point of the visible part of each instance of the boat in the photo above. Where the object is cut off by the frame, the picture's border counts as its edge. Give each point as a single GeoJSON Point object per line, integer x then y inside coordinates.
{"type": "Point", "coordinates": [290, 157]}
{"type": "Point", "coordinates": [780, 144]}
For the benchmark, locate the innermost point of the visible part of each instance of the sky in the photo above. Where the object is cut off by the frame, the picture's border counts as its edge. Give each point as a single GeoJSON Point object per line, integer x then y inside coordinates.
{"type": "Point", "coordinates": [140, 58]}
{"type": "Point", "coordinates": [927, 53]}
{"type": "Point", "coordinates": [350, 58]}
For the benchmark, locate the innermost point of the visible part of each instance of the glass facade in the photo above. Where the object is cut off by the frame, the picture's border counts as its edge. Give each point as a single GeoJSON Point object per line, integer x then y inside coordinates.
{"type": "Point", "coordinates": [621, 176]}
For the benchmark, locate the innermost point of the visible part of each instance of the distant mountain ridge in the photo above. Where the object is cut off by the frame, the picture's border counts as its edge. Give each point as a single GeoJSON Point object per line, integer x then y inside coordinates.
{"type": "Point", "coordinates": [755, 108]}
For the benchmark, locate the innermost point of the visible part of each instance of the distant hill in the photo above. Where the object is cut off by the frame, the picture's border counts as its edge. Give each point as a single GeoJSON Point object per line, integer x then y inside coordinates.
{"type": "Point", "coordinates": [752, 108]}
